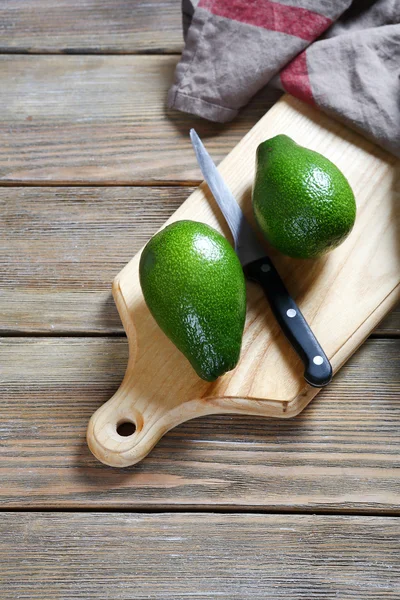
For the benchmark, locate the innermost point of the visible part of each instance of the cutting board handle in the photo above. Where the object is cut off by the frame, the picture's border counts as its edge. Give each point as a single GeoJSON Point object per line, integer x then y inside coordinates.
{"type": "Point", "coordinates": [149, 419]}
{"type": "Point", "coordinates": [152, 415]}
{"type": "Point", "coordinates": [103, 436]}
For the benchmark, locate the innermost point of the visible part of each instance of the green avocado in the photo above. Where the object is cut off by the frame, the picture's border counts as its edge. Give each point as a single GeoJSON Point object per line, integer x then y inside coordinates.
{"type": "Point", "coordinates": [302, 202]}
{"type": "Point", "coordinates": [194, 287]}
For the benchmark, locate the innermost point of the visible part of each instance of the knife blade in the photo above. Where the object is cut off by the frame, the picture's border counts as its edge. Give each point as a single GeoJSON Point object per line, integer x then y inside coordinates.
{"type": "Point", "coordinates": [258, 267]}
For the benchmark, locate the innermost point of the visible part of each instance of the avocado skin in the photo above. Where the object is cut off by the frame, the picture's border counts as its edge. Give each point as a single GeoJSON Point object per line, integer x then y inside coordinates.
{"type": "Point", "coordinates": [194, 287]}
{"type": "Point", "coordinates": [302, 202]}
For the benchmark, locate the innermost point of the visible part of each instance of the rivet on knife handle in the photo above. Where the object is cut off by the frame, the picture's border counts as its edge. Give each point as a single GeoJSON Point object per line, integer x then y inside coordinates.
{"type": "Point", "coordinates": [317, 368]}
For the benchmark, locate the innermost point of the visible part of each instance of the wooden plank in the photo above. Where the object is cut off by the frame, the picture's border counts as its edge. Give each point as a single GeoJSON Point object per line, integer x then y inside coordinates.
{"type": "Point", "coordinates": [62, 247]}
{"type": "Point", "coordinates": [95, 26]}
{"type": "Point", "coordinates": [390, 325]}
{"type": "Point", "coordinates": [102, 119]}
{"type": "Point", "coordinates": [179, 556]}
{"type": "Point", "coordinates": [341, 454]}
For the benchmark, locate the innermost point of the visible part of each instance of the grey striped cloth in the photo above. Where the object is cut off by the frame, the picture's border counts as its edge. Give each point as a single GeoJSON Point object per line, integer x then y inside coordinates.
{"type": "Point", "coordinates": [341, 56]}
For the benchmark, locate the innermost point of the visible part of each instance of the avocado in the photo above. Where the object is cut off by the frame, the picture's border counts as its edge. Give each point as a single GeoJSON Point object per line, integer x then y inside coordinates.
{"type": "Point", "coordinates": [302, 202]}
{"type": "Point", "coordinates": [193, 285]}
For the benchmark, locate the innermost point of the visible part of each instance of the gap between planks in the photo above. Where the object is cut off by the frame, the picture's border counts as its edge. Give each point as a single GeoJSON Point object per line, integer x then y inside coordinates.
{"type": "Point", "coordinates": [122, 334]}
{"type": "Point", "coordinates": [102, 184]}
{"type": "Point", "coordinates": [87, 52]}
{"type": "Point", "coordinates": [194, 509]}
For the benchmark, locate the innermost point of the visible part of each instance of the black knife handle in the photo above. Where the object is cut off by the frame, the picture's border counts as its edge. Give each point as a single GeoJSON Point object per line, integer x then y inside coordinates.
{"type": "Point", "coordinates": [318, 370]}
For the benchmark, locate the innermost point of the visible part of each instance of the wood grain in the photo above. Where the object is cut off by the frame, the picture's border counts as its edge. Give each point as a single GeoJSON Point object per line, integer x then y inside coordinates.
{"type": "Point", "coordinates": [179, 556]}
{"type": "Point", "coordinates": [95, 26]}
{"type": "Point", "coordinates": [62, 247]}
{"type": "Point", "coordinates": [341, 454]}
{"type": "Point", "coordinates": [102, 119]}
{"type": "Point", "coordinates": [59, 254]}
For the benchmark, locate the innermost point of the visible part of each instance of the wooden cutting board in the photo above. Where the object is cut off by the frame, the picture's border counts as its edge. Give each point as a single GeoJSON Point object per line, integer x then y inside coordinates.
{"type": "Point", "coordinates": [343, 296]}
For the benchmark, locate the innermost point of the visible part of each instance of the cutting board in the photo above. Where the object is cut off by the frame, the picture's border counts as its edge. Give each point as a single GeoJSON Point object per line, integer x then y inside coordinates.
{"type": "Point", "coordinates": [343, 296]}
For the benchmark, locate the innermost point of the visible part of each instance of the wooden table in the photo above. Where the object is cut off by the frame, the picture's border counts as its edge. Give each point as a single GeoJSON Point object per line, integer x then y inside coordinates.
{"type": "Point", "coordinates": [91, 164]}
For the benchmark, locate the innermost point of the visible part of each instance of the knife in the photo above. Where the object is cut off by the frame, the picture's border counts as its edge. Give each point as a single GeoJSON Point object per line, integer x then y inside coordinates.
{"type": "Point", "coordinates": [258, 267]}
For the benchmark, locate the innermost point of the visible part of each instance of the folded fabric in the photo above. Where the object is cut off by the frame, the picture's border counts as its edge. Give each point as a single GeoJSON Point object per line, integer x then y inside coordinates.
{"type": "Point", "coordinates": [341, 56]}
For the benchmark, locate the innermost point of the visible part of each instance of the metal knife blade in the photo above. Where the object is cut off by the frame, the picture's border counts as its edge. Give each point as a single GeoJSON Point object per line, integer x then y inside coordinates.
{"type": "Point", "coordinates": [247, 246]}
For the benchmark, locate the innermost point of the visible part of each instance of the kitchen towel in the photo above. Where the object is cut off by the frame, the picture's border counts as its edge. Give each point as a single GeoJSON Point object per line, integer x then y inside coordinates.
{"type": "Point", "coordinates": [339, 55]}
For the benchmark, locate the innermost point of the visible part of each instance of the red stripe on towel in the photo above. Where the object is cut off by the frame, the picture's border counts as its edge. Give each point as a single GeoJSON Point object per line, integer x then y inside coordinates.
{"type": "Point", "coordinates": [295, 79]}
{"type": "Point", "coordinates": [292, 20]}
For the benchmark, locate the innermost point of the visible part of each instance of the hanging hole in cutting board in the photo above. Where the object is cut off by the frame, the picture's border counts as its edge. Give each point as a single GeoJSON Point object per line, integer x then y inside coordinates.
{"type": "Point", "coordinates": [126, 428]}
